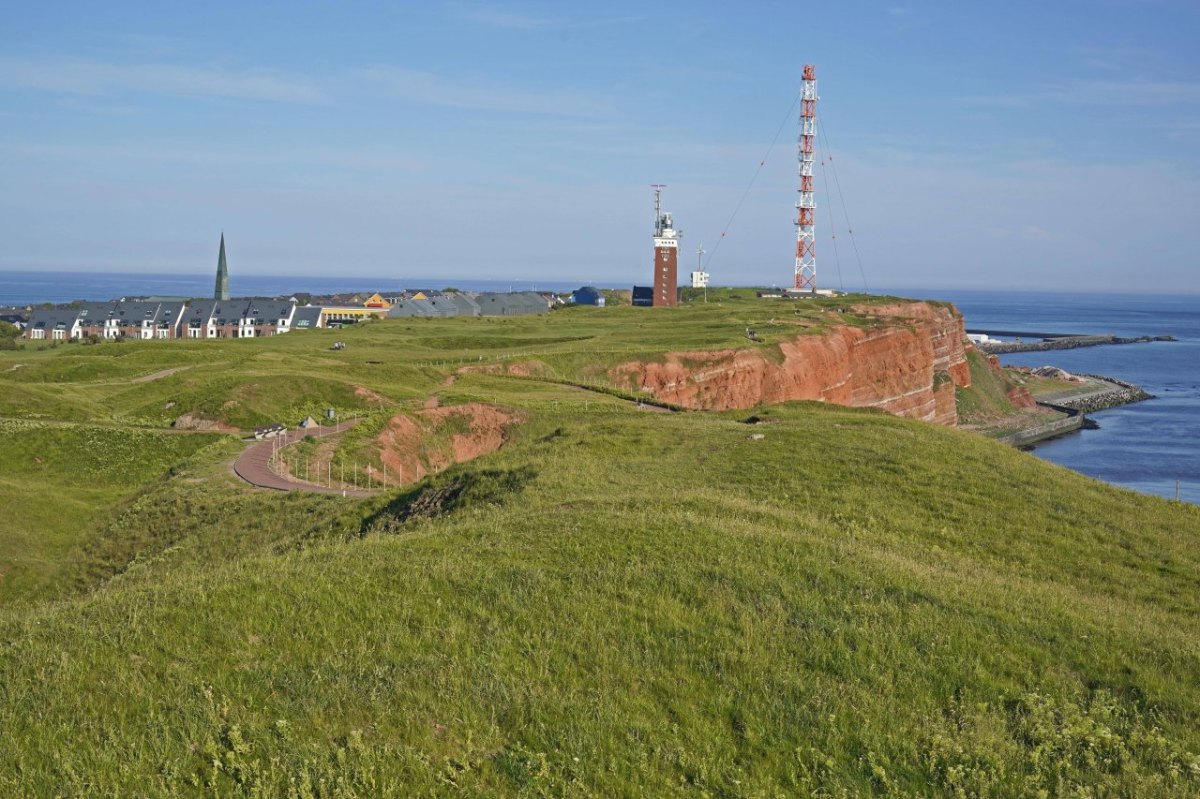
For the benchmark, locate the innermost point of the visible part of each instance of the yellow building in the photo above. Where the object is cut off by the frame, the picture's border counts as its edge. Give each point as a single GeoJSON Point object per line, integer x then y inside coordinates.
{"type": "Point", "coordinates": [374, 307]}
{"type": "Point", "coordinates": [350, 313]}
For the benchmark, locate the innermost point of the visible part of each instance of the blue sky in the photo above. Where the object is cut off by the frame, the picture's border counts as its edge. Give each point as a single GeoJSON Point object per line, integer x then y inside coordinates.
{"type": "Point", "coordinates": [994, 145]}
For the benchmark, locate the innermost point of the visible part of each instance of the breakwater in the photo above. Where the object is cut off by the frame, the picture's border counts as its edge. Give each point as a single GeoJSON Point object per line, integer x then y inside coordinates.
{"type": "Point", "coordinates": [1118, 393]}
{"type": "Point", "coordinates": [1062, 343]}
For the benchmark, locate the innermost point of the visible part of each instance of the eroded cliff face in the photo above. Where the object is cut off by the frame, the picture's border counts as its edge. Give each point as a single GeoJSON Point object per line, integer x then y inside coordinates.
{"type": "Point", "coordinates": [907, 363]}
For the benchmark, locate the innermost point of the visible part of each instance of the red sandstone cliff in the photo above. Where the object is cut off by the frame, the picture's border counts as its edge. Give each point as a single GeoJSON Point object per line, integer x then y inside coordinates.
{"type": "Point", "coordinates": [907, 363]}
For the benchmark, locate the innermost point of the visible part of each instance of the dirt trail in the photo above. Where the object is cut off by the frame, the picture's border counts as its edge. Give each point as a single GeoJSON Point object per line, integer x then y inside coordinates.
{"type": "Point", "coordinates": [159, 375]}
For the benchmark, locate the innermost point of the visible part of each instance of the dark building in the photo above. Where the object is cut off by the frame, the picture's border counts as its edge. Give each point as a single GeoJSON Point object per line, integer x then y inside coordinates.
{"type": "Point", "coordinates": [643, 296]}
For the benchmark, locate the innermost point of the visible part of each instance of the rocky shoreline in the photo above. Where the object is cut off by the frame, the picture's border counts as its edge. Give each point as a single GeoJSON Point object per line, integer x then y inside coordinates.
{"type": "Point", "coordinates": [1123, 393]}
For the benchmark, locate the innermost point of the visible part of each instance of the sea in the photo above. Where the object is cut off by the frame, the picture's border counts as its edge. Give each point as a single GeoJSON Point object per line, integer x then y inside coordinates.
{"type": "Point", "coordinates": [1151, 446]}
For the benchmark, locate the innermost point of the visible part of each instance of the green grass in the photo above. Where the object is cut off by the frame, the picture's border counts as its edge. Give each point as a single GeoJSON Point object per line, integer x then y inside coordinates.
{"type": "Point", "coordinates": [58, 486]}
{"type": "Point", "coordinates": [617, 603]}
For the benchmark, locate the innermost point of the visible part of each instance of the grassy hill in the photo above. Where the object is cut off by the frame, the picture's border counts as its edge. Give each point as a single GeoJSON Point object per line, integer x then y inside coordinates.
{"type": "Point", "coordinates": [616, 603]}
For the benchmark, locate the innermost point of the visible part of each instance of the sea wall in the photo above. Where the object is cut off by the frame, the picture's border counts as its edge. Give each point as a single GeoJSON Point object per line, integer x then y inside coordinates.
{"type": "Point", "coordinates": [907, 362]}
{"type": "Point", "coordinates": [1074, 420]}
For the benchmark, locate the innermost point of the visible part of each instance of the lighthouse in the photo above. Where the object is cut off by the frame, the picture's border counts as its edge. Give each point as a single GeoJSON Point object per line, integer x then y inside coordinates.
{"type": "Point", "coordinates": [666, 254]}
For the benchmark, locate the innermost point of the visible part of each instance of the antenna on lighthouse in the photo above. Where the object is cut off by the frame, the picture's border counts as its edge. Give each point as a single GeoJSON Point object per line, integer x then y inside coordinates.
{"type": "Point", "coordinates": [658, 187]}
{"type": "Point", "coordinates": [805, 278]}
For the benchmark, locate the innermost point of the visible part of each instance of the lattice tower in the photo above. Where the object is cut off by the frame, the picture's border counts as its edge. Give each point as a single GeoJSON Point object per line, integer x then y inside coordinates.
{"type": "Point", "coordinates": [806, 233]}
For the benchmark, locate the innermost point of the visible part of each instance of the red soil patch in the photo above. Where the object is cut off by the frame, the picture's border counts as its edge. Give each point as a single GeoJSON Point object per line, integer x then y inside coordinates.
{"type": "Point", "coordinates": [427, 441]}
{"type": "Point", "coordinates": [369, 395]}
{"type": "Point", "coordinates": [194, 421]}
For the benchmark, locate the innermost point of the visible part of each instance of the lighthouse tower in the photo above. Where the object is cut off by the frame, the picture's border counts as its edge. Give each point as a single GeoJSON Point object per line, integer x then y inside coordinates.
{"type": "Point", "coordinates": [666, 254]}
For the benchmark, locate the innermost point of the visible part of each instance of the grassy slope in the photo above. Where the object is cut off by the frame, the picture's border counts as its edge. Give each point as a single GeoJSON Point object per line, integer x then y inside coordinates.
{"type": "Point", "coordinates": [57, 485]}
{"type": "Point", "coordinates": [852, 605]}
{"type": "Point", "coordinates": [247, 383]}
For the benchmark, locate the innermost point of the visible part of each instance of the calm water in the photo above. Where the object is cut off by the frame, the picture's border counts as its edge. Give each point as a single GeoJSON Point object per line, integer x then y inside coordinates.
{"type": "Point", "coordinates": [22, 288]}
{"type": "Point", "coordinates": [1146, 446]}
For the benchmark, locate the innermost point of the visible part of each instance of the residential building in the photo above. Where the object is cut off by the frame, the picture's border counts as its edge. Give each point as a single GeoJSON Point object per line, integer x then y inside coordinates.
{"type": "Point", "coordinates": [53, 324]}
{"type": "Point", "coordinates": [266, 317]}
{"type": "Point", "coordinates": [588, 295]}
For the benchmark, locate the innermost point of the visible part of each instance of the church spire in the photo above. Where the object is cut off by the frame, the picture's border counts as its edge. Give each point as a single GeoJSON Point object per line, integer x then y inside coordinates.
{"type": "Point", "coordinates": [221, 292]}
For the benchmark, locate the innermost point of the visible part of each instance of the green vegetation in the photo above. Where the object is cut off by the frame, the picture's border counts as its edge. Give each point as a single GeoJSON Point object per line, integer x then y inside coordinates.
{"type": "Point", "coordinates": [58, 484]}
{"type": "Point", "coordinates": [987, 399]}
{"type": "Point", "coordinates": [618, 602]}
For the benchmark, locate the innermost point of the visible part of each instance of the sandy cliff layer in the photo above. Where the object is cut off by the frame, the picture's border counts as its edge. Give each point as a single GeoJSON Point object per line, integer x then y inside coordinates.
{"type": "Point", "coordinates": [907, 363]}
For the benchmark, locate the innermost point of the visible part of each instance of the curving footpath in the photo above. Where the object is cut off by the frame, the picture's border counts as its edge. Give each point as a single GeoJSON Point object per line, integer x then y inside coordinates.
{"type": "Point", "coordinates": [254, 464]}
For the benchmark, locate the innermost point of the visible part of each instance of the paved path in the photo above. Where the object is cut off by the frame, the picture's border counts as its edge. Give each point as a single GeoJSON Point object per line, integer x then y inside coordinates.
{"type": "Point", "coordinates": [254, 464]}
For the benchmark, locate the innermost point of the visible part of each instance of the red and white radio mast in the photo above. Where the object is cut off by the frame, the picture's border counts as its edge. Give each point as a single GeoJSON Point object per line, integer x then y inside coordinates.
{"type": "Point", "coordinates": [806, 234]}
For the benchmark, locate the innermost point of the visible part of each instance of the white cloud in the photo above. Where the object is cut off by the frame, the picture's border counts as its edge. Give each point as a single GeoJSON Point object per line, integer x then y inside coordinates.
{"type": "Point", "coordinates": [1115, 93]}
{"type": "Point", "coordinates": [357, 159]}
{"type": "Point", "coordinates": [495, 17]}
{"type": "Point", "coordinates": [426, 87]}
{"type": "Point", "coordinates": [87, 77]}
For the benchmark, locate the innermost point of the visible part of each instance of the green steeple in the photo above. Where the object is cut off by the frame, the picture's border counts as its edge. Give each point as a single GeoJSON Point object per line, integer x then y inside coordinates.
{"type": "Point", "coordinates": [221, 292]}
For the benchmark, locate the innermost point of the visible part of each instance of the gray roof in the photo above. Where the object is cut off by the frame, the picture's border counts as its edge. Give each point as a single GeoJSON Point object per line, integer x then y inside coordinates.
{"type": "Point", "coordinates": [442, 305]}
{"type": "Point", "coordinates": [228, 312]}
{"type": "Point", "coordinates": [96, 314]}
{"type": "Point", "coordinates": [53, 319]}
{"type": "Point", "coordinates": [268, 311]}
{"type": "Point", "coordinates": [198, 313]}
{"type": "Point", "coordinates": [516, 303]}
{"type": "Point", "coordinates": [307, 317]}
{"type": "Point", "coordinates": [466, 305]}
{"type": "Point", "coordinates": [169, 313]}
{"type": "Point", "coordinates": [411, 308]}
{"type": "Point", "coordinates": [134, 313]}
